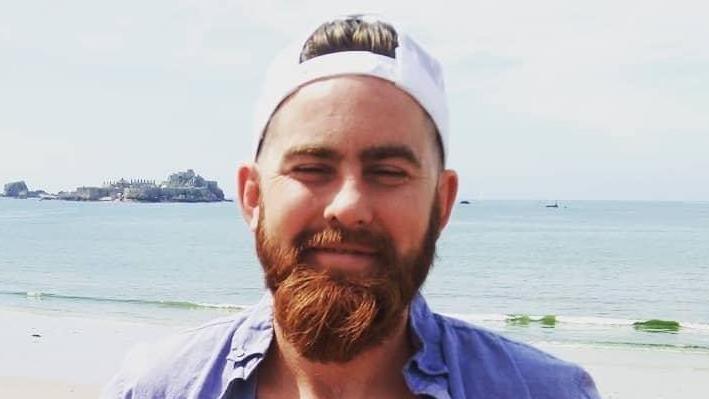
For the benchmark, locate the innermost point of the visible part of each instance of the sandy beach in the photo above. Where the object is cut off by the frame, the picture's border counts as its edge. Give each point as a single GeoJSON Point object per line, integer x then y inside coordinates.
{"type": "Point", "coordinates": [49, 355]}
{"type": "Point", "coordinates": [641, 373]}
{"type": "Point", "coordinates": [59, 356]}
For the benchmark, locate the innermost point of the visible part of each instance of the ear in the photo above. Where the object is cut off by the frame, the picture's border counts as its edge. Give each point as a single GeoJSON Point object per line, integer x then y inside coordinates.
{"type": "Point", "coordinates": [447, 192]}
{"type": "Point", "coordinates": [249, 193]}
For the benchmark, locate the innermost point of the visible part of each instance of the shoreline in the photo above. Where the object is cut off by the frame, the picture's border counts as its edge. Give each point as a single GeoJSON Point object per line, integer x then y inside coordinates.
{"type": "Point", "coordinates": [68, 356]}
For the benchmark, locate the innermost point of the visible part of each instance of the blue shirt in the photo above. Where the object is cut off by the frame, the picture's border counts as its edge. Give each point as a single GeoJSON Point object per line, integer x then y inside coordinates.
{"type": "Point", "coordinates": [453, 360]}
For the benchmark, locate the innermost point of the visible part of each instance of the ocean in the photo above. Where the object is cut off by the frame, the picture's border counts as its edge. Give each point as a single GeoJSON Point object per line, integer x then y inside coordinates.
{"type": "Point", "coordinates": [585, 273]}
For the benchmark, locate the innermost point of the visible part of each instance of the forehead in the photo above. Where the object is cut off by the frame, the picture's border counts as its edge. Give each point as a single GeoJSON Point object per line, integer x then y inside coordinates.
{"type": "Point", "coordinates": [347, 113]}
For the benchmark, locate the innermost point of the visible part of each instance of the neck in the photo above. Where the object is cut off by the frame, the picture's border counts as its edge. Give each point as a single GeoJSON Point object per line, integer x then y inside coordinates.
{"type": "Point", "coordinates": [376, 372]}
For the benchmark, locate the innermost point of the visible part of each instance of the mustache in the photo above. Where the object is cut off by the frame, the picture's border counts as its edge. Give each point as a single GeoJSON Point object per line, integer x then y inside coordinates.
{"type": "Point", "coordinates": [329, 236]}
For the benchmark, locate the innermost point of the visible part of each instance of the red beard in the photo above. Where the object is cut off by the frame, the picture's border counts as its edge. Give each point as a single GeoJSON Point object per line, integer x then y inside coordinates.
{"type": "Point", "coordinates": [330, 315]}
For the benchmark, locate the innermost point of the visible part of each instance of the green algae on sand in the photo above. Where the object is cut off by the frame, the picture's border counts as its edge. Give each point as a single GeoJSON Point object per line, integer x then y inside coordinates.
{"type": "Point", "coordinates": [548, 321]}
{"type": "Point", "coordinates": [656, 325]}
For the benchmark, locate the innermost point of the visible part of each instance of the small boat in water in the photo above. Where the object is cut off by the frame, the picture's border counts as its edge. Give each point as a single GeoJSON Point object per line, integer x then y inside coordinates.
{"type": "Point", "coordinates": [554, 205]}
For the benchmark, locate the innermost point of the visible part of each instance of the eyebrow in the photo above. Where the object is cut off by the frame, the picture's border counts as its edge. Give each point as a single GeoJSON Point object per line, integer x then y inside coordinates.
{"type": "Point", "coordinates": [313, 151]}
{"type": "Point", "coordinates": [371, 154]}
{"type": "Point", "coordinates": [380, 153]}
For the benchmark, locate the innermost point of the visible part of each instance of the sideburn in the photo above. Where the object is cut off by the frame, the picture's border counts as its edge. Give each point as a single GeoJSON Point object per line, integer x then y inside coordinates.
{"type": "Point", "coordinates": [330, 316]}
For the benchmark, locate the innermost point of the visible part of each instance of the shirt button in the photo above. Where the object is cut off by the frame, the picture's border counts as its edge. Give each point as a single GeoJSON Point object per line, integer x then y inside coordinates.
{"type": "Point", "coordinates": [240, 353]}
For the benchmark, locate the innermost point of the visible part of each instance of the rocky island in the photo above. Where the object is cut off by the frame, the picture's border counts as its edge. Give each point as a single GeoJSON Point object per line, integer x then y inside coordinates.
{"type": "Point", "coordinates": [179, 187]}
{"type": "Point", "coordinates": [18, 189]}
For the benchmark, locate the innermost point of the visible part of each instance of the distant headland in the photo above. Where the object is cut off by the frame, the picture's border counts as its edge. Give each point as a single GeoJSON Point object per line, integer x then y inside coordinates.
{"type": "Point", "coordinates": [179, 187]}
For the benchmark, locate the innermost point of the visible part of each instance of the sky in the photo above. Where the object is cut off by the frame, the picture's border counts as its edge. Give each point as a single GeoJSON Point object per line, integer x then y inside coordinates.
{"type": "Point", "coordinates": [549, 100]}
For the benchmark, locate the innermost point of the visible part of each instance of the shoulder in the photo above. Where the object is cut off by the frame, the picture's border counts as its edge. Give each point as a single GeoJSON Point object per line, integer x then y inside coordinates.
{"type": "Point", "coordinates": [485, 352]}
{"type": "Point", "coordinates": [176, 365]}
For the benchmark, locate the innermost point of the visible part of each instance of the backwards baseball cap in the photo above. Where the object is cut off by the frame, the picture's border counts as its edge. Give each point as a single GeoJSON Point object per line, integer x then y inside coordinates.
{"type": "Point", "coordinates": [412, 70]}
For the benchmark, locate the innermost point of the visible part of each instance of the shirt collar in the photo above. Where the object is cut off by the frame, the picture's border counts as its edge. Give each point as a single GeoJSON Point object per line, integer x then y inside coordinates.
{"type": "Point", "coordinates": [252, 338]}
{"type": "Point", "coordinates": [429, 357]}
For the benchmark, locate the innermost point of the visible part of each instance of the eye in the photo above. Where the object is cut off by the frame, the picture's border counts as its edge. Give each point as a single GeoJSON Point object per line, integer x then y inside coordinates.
{"type": "Point", "coordinates": [387, 175]}
{"type": "Point", "coordinates": [312, 172]}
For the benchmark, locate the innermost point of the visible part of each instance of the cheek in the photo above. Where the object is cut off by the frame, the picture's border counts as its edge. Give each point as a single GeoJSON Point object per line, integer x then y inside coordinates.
{"type": "Point", "coordinates": [406, 220]}
{"type": "Point", "coordinates": [287, 209]}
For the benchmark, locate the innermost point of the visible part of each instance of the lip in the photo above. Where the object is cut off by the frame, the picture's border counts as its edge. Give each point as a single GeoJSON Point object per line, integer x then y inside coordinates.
{"type": "Point", "coordinates": [343, 257]}
{"type": "Point", "coordinates": [348, 249]}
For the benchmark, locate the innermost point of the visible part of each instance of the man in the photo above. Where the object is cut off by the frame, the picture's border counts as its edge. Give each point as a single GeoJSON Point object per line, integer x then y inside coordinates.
{"type": "Point", "coordinates": [347, 197]}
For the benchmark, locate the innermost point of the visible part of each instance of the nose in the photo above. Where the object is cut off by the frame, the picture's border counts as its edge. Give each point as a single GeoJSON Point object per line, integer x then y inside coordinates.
{"type": "Point", "coordinates": [350, 206]}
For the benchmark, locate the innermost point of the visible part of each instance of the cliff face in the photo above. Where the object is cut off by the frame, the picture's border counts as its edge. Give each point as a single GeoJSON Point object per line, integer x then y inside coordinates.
{"type": "Point", "coordinates": [85, 194]}
{"type": "Point", "coordinates": [191, 194]}
{"type": "Point", "coordinates": [146, 193]}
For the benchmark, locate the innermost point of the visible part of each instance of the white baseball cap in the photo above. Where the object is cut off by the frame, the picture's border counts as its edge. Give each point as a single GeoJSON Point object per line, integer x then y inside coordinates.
{"type": "Point", "coordinates": [412, 69]}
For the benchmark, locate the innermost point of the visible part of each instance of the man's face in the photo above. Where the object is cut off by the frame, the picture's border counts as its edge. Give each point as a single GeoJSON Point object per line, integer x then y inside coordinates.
{"type": "Point", "coordinates": [350, 203]}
